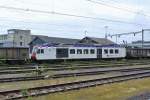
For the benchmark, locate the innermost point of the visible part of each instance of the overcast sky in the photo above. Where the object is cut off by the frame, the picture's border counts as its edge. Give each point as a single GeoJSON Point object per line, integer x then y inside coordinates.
{"type": "Point", "coordinates": [73, 27]}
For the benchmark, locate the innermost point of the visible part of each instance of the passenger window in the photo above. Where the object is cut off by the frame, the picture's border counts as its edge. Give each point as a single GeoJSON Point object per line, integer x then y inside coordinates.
{"type": "Point", "coordinates": [79, 51]}
{"type": "Point", "coordinates": [42, 51]}
{"type": "Point", "coordinates": [105, 51]}
{"type": "Point", "coordinates": [116, 51]}
{"type": "Point", "coordinates": [111, 51]}
{"type": "Point", "coordinates": [86, 51]}
{"type": "Point", "coordinates": [38, 51]}
{"type": "Point", "coordinates": [72, 51]}
{"type": "Point", "coordinates": [92, 51]}
{"type": "Point", "coordinates": [149, 51]}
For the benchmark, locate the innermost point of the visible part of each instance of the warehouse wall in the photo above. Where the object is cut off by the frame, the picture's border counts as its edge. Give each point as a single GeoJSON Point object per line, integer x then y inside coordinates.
{"type": "Point", "coordinates": [14, 53]}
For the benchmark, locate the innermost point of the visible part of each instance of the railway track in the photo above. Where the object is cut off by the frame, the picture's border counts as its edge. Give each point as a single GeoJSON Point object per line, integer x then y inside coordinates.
{"type": "Point", "coordinates": [17, 94]}
{"type": "Point", "coordinates": [31, 69]}
{"type": "Point", "coordinates": [31, 66]}
{"type": "Point", "coordinates": [73, 74]}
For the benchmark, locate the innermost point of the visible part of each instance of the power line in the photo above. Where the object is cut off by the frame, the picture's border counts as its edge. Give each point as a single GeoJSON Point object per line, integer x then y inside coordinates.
{"type": "Point", "coordinates": [5, 19]}
{"type": "Point", "coordinates": [119, 8]}
{"type": "Point", "coordinates": [43, 31]}
{"type": "Point", "coordinates": [70, 15]}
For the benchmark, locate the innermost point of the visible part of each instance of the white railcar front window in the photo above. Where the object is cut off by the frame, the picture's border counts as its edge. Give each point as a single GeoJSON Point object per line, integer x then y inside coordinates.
{"type": "Point", "coordinates": [42, 51]}
{"type": "Point", "coordinates": [38, 51]}
{"type": "Point", "coordinates": [35, 49]}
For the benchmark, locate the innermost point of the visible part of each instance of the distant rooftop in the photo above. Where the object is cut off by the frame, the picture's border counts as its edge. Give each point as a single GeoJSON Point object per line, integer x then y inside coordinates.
{"type": "Point", "coordinates": [94, 40]}
{"type": "Point", "coordinates": [140, 42]}
{"type": "Point", "coordinates": [48, 39]}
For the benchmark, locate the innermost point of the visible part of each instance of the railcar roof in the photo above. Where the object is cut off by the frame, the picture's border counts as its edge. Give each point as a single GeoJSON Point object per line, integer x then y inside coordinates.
{"type": "Point", "coordinates": [79, 45]}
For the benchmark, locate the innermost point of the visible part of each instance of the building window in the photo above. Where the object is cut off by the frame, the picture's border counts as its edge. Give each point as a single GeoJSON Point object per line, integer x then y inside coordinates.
{"type": "Point", "coordinates": [79, 51]}
{"type": "Point", "coordinates": [106, 51]}
{"type": "Point", "coordinates": [72, 51]}
{"type": "Point", "coordinates": [92, 51]}
{"type": "Point", "coordinates": [111, 51]}
{"type": "Point", "coordinates": [86, 51]}
{"type": "Point", "coordinates": [20, 43]}
{"type": "Point", "coordinates": [11, 32]}
{"type": "Point", "coordinates": [21, 37]}
{"type": "Point", "coordinates": [42, 51]}
{"type": "Point", "coordinates": [116, 51]}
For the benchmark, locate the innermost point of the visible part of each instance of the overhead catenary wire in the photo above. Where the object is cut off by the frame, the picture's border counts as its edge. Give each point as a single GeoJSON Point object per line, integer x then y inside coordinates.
{"type": "Point", "coordinates": [52, 24]}
{"type": "Point", "coordinates": [137, 32]}
{"type": "Point", "coordinates": [70, 15]}
{"type": "Point", "coordinates": [61, 31]}
{"type": "Point", "coordinates": [101, 2]}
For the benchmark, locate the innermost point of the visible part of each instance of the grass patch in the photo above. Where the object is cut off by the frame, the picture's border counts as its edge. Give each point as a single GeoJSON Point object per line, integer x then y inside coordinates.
{"type": "Point", "coordinates": [116, 91]}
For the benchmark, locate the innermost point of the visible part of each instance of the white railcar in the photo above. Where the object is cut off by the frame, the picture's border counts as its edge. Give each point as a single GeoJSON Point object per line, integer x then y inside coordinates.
{"type": "Point", "coordinates": [46, 52]}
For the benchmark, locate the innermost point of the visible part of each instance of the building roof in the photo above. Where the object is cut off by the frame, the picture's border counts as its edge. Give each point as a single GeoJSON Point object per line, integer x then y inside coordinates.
{"type": "Point", "coordinates": [47, 39]}
{"type": "Point", "coordinates": [94, 40]}
{"type": "Point", "coordinates": [134, 42]}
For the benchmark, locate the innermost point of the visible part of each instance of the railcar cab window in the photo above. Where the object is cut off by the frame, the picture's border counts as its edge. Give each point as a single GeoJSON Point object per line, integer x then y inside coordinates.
{"type": "Point", "coordinates": [92, 51]}
{"type": "Point", "coordinates": [105, 51]}
{"type": "Point", "coordinates": [42, 51]}
{"type": "Point", "coordinates": [116, 51]}
{"type": "Point", "coordinates": [79, 51]}
{"type": "Point", "coordinates": [111, 51]}
{"type": "Point", "coordinates": [86, 51]}
{"type": "Point", "coordinates": [72, 51]}
{"type": "Point", "coordinates": [35, 49]}
{"type": "Point", "coordinates": [38, 51]}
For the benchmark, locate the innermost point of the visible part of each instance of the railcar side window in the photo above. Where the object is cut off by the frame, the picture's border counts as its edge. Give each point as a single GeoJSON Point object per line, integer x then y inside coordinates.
{"type": "Point", "coordinates": [38, 51]}
{"type": "Point", "coordinates": [116, 51]}
{"type": "Point", "coordinates": [72, 51]}
{"type": "Point", "coordinates": [86, 51]}
{"type": "Point", "coordinates": [149, 51]}
{"type": "Point", "coordinates": [105, 51]}
{"type": "Point", "coordinates": [42, 51]}
{"type": "Point", "coordinates": [79, 51]}
{"type": "Point", "coordinates": [92, 51]}
{"type": "Point", "coordinates": [111, 51]}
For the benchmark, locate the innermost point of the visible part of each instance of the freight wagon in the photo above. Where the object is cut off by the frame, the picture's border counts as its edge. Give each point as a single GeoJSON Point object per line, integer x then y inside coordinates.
{"type": "Point", "coordinates": [13, 54]}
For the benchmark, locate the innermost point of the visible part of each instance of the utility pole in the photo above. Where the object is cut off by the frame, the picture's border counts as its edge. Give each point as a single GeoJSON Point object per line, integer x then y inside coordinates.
{"type": "Point", "coordinates": [116, 38]}
{"type": "Point", "coordinates": [85, 33]}
{"type": "Point", "coordinates": [142, 42]}
{"type": "Point", "coordinates": [106, 29]}
{"type": "Point", "coordinates": [142, 38]}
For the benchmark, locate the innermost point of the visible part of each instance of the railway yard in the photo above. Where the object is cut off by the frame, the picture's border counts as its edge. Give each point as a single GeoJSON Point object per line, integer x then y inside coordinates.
{"type": "Point", "coordinates": [67, 80]}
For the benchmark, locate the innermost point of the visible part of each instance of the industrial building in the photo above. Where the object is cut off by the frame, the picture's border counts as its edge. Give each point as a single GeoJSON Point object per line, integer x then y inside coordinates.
{"type": "Point", "coordinates": [18, 44]}
{"type": "Point", "coordinates": [138, 44]}
{"type": "Point", "coordinates": [15, 38]}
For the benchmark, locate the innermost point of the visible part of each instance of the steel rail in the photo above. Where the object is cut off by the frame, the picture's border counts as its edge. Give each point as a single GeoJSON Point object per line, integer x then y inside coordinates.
{"type": "Point", "coordinates": [16, 94]}
{"type": "Point", "coordinates": [72, 74]}
{"type": "Point", "coordinates": [66, 68]}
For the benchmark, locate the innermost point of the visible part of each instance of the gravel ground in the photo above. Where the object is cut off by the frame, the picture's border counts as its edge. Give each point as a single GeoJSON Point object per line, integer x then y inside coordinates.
{"type": "Point", "coordinates": [142, 96]}
{"type": "Point", "coordinates": [71, 71]}
{"type": "Point", "coordinates": [12, 75]}
{"type": "Point", "coordinates": [97, 69]}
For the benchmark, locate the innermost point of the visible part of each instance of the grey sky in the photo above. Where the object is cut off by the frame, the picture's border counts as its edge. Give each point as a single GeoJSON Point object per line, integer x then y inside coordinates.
{"type": "Point", "coordinates": [72, 27]}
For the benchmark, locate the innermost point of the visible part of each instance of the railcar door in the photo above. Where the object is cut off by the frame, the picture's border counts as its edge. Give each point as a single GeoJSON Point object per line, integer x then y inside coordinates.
{"type": "Point", "coordinates": [99, 53]}
{"type": "Point", "coordinates": [61, 52]}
